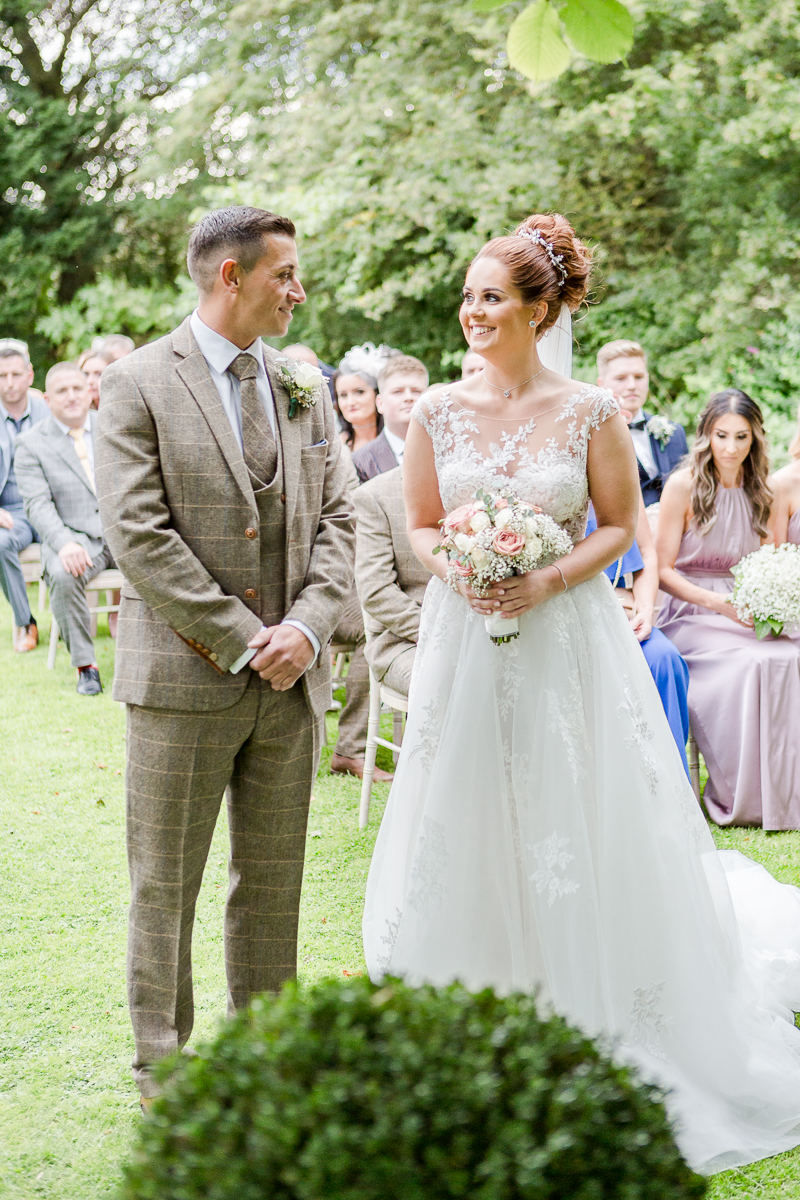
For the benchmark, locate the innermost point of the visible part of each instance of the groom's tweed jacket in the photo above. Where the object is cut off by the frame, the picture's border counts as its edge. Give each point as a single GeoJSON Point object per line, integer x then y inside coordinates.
{"type": "Point", "coordinates": [182, 522]}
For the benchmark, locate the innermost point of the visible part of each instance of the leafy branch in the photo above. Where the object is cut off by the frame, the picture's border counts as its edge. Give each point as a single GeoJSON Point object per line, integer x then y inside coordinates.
{"type": "Point", "coordinates": [542, 39]}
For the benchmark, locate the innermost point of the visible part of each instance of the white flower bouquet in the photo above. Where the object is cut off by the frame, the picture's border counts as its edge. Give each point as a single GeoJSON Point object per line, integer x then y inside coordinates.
{"type": "Point", "coordinates": [493, 537]}
{"type": "Point", "coordinates": [767, 589]}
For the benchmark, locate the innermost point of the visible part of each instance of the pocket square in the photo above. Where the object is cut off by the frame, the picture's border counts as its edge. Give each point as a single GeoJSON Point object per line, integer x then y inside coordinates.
{"type": "Point", "coordinates": [324, 442]}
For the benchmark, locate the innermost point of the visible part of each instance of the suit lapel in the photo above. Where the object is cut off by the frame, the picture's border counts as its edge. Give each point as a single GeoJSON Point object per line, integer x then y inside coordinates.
{"type": "Point", "coordinates": [290, 434]}
{"type": "Point", "coordinates": [62, 443]}
{"type": "Point", "coordinates": [194, 372]}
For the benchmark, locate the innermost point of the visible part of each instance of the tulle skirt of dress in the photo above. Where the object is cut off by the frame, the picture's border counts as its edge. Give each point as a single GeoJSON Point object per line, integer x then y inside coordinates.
{"type": "Point", "coordinates": [541, 835]}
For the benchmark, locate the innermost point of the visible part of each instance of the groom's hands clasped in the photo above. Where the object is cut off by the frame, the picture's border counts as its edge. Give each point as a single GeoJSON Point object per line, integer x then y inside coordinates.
{"type": "Point", "coordinates": [284, 653]}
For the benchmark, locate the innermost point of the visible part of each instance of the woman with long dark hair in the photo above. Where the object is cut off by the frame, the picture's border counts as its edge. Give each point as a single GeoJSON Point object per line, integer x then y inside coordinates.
{"type": "Point", "coordinates": [744, 695]}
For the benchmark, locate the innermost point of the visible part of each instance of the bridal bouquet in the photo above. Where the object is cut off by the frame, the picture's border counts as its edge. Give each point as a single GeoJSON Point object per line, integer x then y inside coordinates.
{"type": "Point", "coordinates": [767, 588]}
{"type": "Point", "coordinates": [493, 537]}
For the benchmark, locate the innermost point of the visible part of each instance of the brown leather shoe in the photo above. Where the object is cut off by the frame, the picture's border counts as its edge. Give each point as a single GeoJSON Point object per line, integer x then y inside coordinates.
{"type": "Point", "coordinates": [26, 637]}
{"type": "Point", "coordinates": [355, 766]}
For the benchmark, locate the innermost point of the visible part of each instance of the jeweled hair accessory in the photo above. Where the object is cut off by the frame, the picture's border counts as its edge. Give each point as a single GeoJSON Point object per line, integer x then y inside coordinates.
{"type": "Point", "coordinates": [367, 360]}
{"type": "Point", "coordinates": [536, 235]}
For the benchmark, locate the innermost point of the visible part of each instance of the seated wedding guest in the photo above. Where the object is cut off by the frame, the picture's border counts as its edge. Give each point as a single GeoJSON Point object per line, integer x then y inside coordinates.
{"type": "Point", "coordinates": [356, 392]}
{"type": "Point", "coordinates": [400, 384]}
{"type": "Point", "coordinates": [93, 364]}
{"type": "Point", "coordinates": [19, 411]}
{"type": "Point", "coordinates": [390, 578]}
{"type": "Point", "coordinates": [115, 346]}
{"type": "Point", "coordinates": [55, 472]}
{"type": "Point", "coordinates": [471, 363]}
{"type": "Point", "coordinates": [659, 444]}
{"type": "Point", "coordinates": [744, 694]}
{"type": "Point", "coordinates": [635, 580]}
{"type": "Point", "coordinates": [785, 486]}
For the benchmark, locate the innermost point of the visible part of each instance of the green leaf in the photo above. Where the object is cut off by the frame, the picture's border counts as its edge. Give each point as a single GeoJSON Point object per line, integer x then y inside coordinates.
{"type": "Point", "coordinates": [776, 626]}
{"type": "Point", "coordinates": [487, 6]}
{"type": "Point", "coordinates": [600, 29]}
{"type": "Point", "coordinates": [762, 628]}
{"type": "Point", "coordinates": [535, 46]}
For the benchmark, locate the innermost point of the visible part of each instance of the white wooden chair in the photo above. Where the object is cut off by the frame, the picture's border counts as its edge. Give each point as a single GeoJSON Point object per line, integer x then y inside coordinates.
{"type": "Point", "coordinates": [379, 695]}
{"type": "Point", "coordinates": [31, 560]}
{"type": "Point", "coordinates": [108, 582]}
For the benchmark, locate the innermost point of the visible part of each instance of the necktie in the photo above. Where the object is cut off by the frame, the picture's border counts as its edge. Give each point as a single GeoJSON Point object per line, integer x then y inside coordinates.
{"type": "Point", "coordinates": [258, 444]}
{"type": "Point", "coordinates": [83, 455]}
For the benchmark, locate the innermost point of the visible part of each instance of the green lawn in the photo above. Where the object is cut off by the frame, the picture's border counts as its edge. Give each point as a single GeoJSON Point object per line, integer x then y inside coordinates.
{"type": "Point", "coordinates": [68, 1110]}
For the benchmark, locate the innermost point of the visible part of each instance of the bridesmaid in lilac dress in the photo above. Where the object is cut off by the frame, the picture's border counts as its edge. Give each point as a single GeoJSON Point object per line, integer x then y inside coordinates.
{"type": "Point", "coordinates": [744, 695]}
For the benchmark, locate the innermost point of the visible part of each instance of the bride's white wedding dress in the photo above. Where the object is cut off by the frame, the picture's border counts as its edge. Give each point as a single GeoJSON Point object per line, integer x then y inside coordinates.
{"type": "Point", "coordinates": [541, 833]}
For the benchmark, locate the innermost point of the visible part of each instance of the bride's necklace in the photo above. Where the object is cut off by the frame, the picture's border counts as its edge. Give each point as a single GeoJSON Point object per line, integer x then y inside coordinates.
{"type": "Point", "coordinates": [507, 391]}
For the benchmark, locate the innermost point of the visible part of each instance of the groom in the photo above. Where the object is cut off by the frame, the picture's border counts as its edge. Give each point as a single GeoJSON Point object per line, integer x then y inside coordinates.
{"type": "Point", "coordinates": [231, 524]}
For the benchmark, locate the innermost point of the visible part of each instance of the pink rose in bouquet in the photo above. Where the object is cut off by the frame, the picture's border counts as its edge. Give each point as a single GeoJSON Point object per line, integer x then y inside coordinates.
{"type": "Point", "coordinates": [507, 542]}
{"type": "Point", "coordinates": [460, 518]}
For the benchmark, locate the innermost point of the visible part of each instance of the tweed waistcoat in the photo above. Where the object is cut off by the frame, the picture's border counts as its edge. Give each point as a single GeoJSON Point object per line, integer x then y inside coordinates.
{"type": "Point", "coordinates": [271, 504]}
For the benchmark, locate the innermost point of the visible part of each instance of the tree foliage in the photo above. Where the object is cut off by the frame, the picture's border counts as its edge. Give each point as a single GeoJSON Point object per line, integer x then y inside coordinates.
{"type": "Point", "coordinates": [82, 84]}
{"type": "Point", "coordinates": [399, 138]}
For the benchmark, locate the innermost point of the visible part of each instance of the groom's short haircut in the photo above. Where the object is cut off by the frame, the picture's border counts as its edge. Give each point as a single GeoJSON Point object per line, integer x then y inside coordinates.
{"type": "Point", "coordinates": [236, 232]}
{"type": "Point", "coordinates": [620, 349]}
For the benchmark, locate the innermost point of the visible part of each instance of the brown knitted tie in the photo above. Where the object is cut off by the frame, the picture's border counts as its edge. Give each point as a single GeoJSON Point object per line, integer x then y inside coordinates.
{"type": "Point", "coordinates": [258, 443]}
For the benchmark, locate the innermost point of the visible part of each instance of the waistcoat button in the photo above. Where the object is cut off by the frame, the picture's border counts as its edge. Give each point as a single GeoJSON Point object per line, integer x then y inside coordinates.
{"type": "Point", "coordinates": [250, 533]}
{"type": "Point", "coordinates": [283, 497]}
{"type": "Point", "coordinates": [250, 594]}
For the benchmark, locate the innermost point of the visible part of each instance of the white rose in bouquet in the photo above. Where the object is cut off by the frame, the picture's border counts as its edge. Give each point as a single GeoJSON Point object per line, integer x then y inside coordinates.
{"type": "Point", "coordinates": [534, 545]}
{"type": "Point", "coordinates": [504, 518]}
{"type": "Point", "coordinates": [480, 558]}
{"type": "Point", "coordinates": [480, 521]}
{"type": "Point", "coordinates": [464, 542]}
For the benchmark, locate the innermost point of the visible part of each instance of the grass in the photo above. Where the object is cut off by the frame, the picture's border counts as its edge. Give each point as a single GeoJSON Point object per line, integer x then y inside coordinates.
{"type": "Point", "coordinates": [68, 1111]}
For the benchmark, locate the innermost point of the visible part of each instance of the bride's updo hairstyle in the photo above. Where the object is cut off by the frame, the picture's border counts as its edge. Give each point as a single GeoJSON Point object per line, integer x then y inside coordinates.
{"type": "Point", "coordinates": [532, 268]}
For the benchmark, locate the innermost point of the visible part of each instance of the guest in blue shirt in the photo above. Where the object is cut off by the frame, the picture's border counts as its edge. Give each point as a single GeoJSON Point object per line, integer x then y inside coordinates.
{"type": "Point", "coordinates": [635, 577]}
{"type": "Point", "coordinates": [19, 410]}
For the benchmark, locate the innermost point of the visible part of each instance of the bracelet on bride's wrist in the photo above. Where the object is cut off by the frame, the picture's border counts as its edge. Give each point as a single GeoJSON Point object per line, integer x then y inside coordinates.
{"type": "Point", "coordinates": [561, 573]}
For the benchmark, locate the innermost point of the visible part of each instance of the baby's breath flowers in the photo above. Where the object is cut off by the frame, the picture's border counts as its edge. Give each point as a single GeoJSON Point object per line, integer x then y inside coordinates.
{"type": "Point", "coordinates": [767, 589]}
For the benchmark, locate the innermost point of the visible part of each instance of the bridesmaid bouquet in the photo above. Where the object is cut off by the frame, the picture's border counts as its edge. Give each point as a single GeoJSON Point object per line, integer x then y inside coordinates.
{"type": "Point", "coordinates": [767, 589]}
{"type": "Point", "coordinates": [493, 537]}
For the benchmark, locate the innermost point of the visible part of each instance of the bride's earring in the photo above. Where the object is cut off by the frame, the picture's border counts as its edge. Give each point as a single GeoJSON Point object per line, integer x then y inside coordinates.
{"type": "Point", "coordinates": [532, 324]}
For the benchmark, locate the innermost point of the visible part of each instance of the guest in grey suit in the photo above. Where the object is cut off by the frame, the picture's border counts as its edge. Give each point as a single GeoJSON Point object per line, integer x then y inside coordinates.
{"type": "Point", "coordinates": [390, 578]}
{"type": "Point", "coordinates": [19, 411]}
{"type": "Point", "coordinates": [401, 382]}
{"type": "Point", "coordinates": [225, 501]}
{"type": "Point", "coordinates": [55, 472]}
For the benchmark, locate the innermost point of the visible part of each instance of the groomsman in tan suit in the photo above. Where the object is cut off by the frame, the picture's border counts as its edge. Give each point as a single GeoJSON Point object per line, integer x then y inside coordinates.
{"type": "Point", "coordinates": [231, 521]}
{"type": "Point", "coordinates": [391, 580]}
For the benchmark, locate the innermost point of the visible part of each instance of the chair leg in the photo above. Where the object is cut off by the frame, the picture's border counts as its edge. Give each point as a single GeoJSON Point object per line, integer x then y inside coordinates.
{"type": "Point", "coordinates": [338, 667]}
{"type": "Point", "coordinates": [397, 733]}
{"type": "Point", "coordinates": [53, 647]}
{"type": "Point", "coordinates": [371, 751]}
{"type": "Point", "coordinates": [693, 757]}
{"type": "Point", "coordinates": [42, 595]}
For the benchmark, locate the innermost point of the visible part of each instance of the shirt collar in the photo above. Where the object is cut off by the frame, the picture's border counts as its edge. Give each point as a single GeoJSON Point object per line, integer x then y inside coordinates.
{"type": "Point", "coordinates": [218, 352]}
{"type": "Point", "coordinates": [27, 412]}
{"type": "Point", "coordinates": [66, 428]}
{"type": "Point", "coordinates": [396, 444]}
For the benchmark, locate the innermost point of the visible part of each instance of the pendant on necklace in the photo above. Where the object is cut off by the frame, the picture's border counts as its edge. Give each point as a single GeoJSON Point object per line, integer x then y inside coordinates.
{"type": "Point", "coordinates": [506, 394]}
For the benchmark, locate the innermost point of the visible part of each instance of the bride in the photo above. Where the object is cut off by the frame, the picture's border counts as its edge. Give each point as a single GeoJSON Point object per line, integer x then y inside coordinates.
{"type": "Point", "coordinates": [541, 834]}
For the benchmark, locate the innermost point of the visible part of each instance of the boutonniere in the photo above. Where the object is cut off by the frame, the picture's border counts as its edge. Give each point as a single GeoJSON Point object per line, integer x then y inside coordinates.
{"type": "Point", "coordinates": [303, 383]}
{"type": "Point", "coordinates": [661, 429]}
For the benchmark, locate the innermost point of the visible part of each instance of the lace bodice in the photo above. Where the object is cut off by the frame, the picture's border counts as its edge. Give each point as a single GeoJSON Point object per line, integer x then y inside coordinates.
{"type": "Point", "coordinates": [549, 472]}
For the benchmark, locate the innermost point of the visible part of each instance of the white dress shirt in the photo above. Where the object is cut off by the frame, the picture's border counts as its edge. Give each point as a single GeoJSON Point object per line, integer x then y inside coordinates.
{"type": "Point", "coordinates": [396, 444]}
{"type": "Point", "coordinates": [644, 451]}
{"type": "Point", "coordinates": [219, 353]}
{"type": "Point", "coordinates": [87, 438]}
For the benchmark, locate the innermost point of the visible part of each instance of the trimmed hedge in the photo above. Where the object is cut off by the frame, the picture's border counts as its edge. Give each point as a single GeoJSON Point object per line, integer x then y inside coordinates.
{"type": "Point", "coordinates": [348, 1091]}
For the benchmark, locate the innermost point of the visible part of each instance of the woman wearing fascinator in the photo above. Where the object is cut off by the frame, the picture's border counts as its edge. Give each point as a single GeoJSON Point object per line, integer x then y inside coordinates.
{"type": "Point", "coordinates": [356, 390]}
{"type": "Point", "coordinates": [541, 834]}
